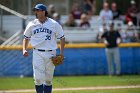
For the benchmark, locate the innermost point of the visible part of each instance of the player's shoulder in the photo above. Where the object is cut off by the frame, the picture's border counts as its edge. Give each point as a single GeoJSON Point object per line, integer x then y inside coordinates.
{"type": "Point", "coordinates": [53, 21]}
{"type": "Point", "coordinates": [106, 32]}
{"type": "Point", "coordinates": [32, 22]}
{"type": "Point", "coordinates": [35, 21]}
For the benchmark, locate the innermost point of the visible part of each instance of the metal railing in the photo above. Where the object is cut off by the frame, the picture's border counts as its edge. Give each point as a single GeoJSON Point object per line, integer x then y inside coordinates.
{"type": "Point", "coordinates": [13, 39]}
{"type": "Point", "coordinates": [12, 11]}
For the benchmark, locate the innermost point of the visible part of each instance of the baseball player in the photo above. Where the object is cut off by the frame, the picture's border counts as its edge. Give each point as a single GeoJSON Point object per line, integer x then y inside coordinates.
{"type": "Point", "coordinates": [42, 33]}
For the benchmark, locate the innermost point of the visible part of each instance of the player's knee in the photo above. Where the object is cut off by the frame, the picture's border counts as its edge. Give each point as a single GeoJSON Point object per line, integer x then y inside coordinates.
{"type": "Point", "coordinates": [48, 83]}
{"type": "Point", "coordinates": [38, 82]}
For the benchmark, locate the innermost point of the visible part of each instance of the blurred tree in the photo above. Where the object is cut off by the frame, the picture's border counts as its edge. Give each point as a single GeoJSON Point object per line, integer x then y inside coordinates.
{"type": "Point", "coordinates": [22, 6]}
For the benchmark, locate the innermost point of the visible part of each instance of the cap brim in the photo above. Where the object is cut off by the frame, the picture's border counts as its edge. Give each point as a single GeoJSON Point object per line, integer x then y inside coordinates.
{"type": "Point", "coordinates": [35, 9]}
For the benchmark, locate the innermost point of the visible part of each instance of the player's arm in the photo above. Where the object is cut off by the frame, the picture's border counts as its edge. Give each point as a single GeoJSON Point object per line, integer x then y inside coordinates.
{"type": "Point", "coordinates": [60, 35]}
{"type": "Point", "coordinates": [105, 41]}
{"type": "Point", "coordinates": [27, 36]}
{"type": "Point", "coordinates": [62, 45]}
{"type": "Point", "coordinates": [25, 45]}
{"type": "Point", "coordinates": [103, 37]}
{"type": "Point", "coordinates": [119, 39]}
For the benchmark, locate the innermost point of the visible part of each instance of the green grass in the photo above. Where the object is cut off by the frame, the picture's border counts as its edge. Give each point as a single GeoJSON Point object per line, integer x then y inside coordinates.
{"type": "Point", "coordinates": [7, 83]}
{"type": "Point", "coordinates": [104, 91]}
{"type": "Point", "coordinates": [83, 81]}
{"type": "Point", "coordinates": [99, 91]}
{"type": "Point", "coordinates": [16, 83]}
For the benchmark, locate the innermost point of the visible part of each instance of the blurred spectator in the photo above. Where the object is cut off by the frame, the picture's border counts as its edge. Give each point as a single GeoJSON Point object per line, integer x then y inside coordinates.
{"type": "Point", "coordinates": [84, 22]}
{"type": "Point", "coordinates": [70, 21]}
{"type": "Point", "coordinates": [122, 32]}
{"type": "Point", "coordinates": [76, 12]}
{"type": "Point", "coordinates": [51, 10]}
{"type": "Point", "coordinates": [132, 13]}
{"type": "Point", "coordinates": [87, 7]}
{"type": "Point", "coordinates": [119, 27]}
{"type": "Point", "coordinates": [56, 17]}
{"type": "Point", "coordinates": [106, 13]}
{"type": "Point", "coordinates": [115, 11]}
{"type": "Point", "coordinates": [131, 33]}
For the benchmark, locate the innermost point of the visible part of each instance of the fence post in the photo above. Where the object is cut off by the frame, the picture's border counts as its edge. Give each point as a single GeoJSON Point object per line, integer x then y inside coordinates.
{"type": "Point", "coordinates": [23, 24]}
{"type": "Point", "coordinates": [1, 21]}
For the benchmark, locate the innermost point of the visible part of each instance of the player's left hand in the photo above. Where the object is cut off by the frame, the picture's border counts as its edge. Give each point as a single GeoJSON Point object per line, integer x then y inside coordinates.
{"type": "Point", "coordinates": [57, 60]}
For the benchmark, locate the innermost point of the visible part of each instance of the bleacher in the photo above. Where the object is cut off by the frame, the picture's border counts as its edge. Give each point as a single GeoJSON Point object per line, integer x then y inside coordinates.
{"type": "Point", "coordinates": [12, 24]}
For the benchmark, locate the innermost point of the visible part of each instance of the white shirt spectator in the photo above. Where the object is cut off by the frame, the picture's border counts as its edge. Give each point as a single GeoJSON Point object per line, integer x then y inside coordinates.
{"type": "Point", "coordinates": [106, 14]}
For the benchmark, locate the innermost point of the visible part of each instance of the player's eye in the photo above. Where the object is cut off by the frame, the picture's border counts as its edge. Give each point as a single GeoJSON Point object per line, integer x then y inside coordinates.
{"type": "Point", "coordinates": [37, 10]}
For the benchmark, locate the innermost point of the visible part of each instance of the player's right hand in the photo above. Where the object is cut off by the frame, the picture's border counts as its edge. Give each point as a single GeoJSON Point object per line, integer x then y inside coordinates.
{"type": "Point", "coordinates": [25, 53]}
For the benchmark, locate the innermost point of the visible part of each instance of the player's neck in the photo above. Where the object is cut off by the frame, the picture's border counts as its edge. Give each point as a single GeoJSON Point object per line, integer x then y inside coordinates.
{"type": "Point", "coordinates": [43, 19]}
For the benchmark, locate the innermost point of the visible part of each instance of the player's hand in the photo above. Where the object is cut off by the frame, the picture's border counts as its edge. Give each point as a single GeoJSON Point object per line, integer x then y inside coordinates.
{"type": "Point", "coordinates": [118, 41]}
{"type": "Point", "coordinates": [25, 53]}
{"type": "Point", "coordinates": [106, 43]}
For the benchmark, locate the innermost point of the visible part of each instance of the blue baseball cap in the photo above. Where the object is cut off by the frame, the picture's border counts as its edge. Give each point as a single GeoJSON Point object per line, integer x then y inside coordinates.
{"type": "Point", "coordinates": [40, 7]}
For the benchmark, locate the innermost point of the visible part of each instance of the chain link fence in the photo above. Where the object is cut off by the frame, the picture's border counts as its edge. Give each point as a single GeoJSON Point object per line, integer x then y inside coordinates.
{"type": "Point", "coordinates": [12, 63]}
{"type": "Point", "coordinates": [81, 59]}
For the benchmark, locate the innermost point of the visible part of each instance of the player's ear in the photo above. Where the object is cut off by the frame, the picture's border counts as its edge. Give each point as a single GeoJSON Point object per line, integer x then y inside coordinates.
{"type": "Point", "coordinates": [36, 15]}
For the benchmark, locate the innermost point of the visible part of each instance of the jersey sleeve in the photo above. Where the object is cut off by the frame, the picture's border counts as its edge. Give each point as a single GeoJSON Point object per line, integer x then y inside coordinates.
{"type": "Point", "coordinates": [103, 35]}
{"type": "Point", "coordinates": [118, 34]}
{"type": "Point", "coordinates": [59, 31]}
{"type": "Point", "coordinates": [28, 31]}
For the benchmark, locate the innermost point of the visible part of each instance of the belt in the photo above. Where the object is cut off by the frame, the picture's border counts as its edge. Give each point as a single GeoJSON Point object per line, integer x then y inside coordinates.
{"type": "Point", "coordinates": [43, 50]}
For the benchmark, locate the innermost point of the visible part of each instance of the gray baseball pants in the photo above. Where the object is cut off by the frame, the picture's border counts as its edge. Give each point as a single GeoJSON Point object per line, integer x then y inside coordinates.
{"type": "Point", "coordinates": [113, 56]}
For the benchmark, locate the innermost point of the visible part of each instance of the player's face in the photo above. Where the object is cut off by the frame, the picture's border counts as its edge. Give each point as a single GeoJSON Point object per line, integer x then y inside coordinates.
{"type": "Point", "coordinates": [39, 13]}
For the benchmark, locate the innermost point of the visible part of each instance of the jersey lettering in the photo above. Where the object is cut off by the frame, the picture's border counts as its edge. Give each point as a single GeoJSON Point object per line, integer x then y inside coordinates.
{"type": "Point", "coordinates": [39, 30]}
{"type": "Point", "coordinates": [45, 30]}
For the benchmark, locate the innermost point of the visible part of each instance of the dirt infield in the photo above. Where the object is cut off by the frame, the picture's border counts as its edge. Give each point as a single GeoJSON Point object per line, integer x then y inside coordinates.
{"type": "Point", "coordinates": [78, 88]}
